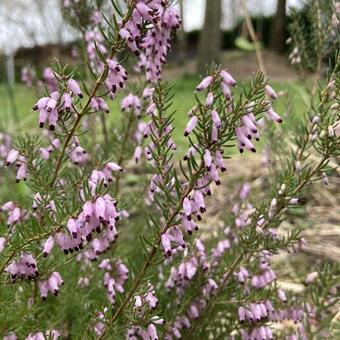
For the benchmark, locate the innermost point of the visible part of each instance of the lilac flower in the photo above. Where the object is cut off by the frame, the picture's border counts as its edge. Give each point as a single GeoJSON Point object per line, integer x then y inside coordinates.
{"type": "Point", "coordinates": [148, 92]}
{"type": "Point", "coordinates": [2, 244]}
{"type": "Point", "coordinates": [216, 119]}
{"type": "Point", "coordinates": [35, 336]}
{"type": "Point", "coordinates": [199, 200]}
{"type": "Point", "coordinates": [172, 241]}
{"type": "Point", "coordinates": [210, 288]}
{"type": "Point", "coordinates": [116, 78]}
{"type": "Point", "coordinates": [155, 43]}
{"type": "Point", "coordinates": [12, 157]}
{"type": "Point", "coordinates": [49, 79]}
{"type": "Point", "coordinates": [98, 103]}
{"type": "Point", "coordinates": [190, 126]}
{"type": "Point", "coordinates": [311, 277]}
{"type": "Point", "coordinates": [272, 208]}
{"type": "Point", "coordinates": [219, 162]}
{"type": "Point", "coordinates": [136, 332]}
{"type": "Point", "coordinates": [99, 326]}
{"type": "Point", "coordinates": [282, 295]}
{"type": "Point", "coordinates": [274, 116]}
{"type": "Point", "coordinates": [206, 82]}
{"type": "Point", "coordinates": [226, 91]}
{"type": "Point", "coordinates": [265, 278]}
{"type": "Point", "coordinates": [27, 76]}
{"type": "Point", "coordinates": [25, 267]}
{"type": "Point", "coordinates": [189, 225]}
{"type": "Point", "coordinates": [149, 299]}
{"type": "Point", "coordinates": [74, 87]}
{"type": "Point", "coordinates": [48, 246]}
{"type": "Point", "coordinates": [131, 103]}
{"type": "Point", "coordinates": [187, 208]}
{"type": "Point", "coordinates": [324, 178]}
{"type": "Point", "coordinates": [94, 41]}
{"type": "Point", "coordinates": [47, 107]}
{"type": "Point", "coordinates": [244, 192]}
{"type": "Point", "coordinates": [227, 78]}
{"type": "Point", "coordinates": [115, 277]}
{"type": "Point", "coordinates": [83, 282]}
{"type": "Point", "coordinates": [220, 249]}
{"type": "Point", "coordinates": [207, 159]}
{"type": "Point", "coordinates": [14, 213]}
{"type": "Point", "coordinates": [214, 134]}
{"type": "Point", "coordinates": [79, 155]}
{"type": "Point", "coordinates": [165, 240]}
{"type": "Point", "coordinates": [243, 140]}
{"type": "Point", "coordinates": [96, 18]}
{"type": "Point", "coordinates": [270, 92]}
{"type": "Point", "coordinates": [209, 100]}
{"type": "Point", "coordinates": [51, 285]}
{"type": "Point", "coordinates": [242, 275]}
{"type": "Point", "coordinates": [10, 336]}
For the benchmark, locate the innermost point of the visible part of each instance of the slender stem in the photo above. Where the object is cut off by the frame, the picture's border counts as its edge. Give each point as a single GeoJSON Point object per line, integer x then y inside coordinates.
{"type": "Point", "coordinates": [122, 151]}
{"type": "Point", "coordinates": [253, 36]}
{"type": "Point", "coordinates": [63, 150]}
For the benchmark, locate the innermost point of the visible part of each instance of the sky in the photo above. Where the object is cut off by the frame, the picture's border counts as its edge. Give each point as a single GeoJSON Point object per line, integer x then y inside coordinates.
{"type": "Point", "coordinates": [30, 22]}
{"type": "Point", "coordinates": [194, 11]}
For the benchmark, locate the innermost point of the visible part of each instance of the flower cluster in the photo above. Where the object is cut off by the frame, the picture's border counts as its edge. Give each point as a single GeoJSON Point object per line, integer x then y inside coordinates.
{"type": "Point", "coordinates": [50, 334]}
{"type": "Point", "coordinates": [27, 76]}
{"type": "Point", "coordinates": [24, 268]}
{"type": "Point", "coordinates": [49, 79]}
{"type": "Point", "coordinates": [51, 285]}
{"type": "Point", "coordinates": [131, 103]}
{"type": "Point", "coordinates": [152, 47]}
{"type": "Point", "coordinates": [5, 146]}
{"type": "Point", "coordinates": [104, 176]}
{"type": "Point", "coordinates": [116, 78]}
{"type": "Point", "coordinates": [52, 106]}
{"type": "Point", "coordinates": [137, 332]}
{"type": "Point", "coordinates": [116, 274]}
{"type": "Point", "coordinates": [156, 44]}
{"type": "Point", "coordinates": [148, 299]}
{"type": "Point", "coordinates": [101, 213]}
{"type": "Point", "coordinates": [14, 213]}
{"type": "Point", "coordinates": [14, 156]}
{"type": "Point", "coordinates": [78, 155]}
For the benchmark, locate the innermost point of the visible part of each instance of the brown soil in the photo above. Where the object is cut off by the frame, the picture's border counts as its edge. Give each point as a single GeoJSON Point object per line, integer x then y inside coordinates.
{"type": "Point", "coordinates": [242, 65]}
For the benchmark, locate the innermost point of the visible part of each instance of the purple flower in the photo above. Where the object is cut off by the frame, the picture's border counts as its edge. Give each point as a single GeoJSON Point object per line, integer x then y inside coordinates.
{"type": "Point", "coordinates": [270, 92]}
{"type": "Point", "coordinates": [274, 116]}
{"type": "Point", "coordinates": [74, 87]}
{"type": "Point", "coordinates": [190, 126]}
{"type": "Point", "coordinates": [227, 78]}
{"type": "Point", "coordinates": [206, 82]}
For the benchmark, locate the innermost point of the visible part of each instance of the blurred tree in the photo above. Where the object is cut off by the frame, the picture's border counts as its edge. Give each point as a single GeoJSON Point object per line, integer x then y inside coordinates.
{"type": "Point", "coordinates": [182, 43]}
{"type": "Point", "coordinates": [210, 40]}
{"type": "Point", "coordinates": [278, 35]}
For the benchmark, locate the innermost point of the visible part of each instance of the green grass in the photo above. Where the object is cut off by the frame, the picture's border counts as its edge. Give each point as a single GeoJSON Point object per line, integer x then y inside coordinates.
{"type": "Point", "coordinates": [25, 120]}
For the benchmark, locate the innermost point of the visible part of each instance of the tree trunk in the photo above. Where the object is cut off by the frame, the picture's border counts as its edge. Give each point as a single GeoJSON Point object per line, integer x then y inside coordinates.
{"type": "Point", "coordinates": [278, 35]}
{"type": "Point", "coordinates": [181, 38]}
{"type": "Point", "coordinates": [210, 39]}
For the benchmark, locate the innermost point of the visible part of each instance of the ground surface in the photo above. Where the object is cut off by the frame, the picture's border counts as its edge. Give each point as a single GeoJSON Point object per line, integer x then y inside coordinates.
{"type": "Point", "coordinates": [242, 65]}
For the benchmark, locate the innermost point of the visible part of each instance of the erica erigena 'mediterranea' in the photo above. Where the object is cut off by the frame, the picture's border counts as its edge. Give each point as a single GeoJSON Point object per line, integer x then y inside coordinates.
{"type": "Point", "coordinates": [140, 267]}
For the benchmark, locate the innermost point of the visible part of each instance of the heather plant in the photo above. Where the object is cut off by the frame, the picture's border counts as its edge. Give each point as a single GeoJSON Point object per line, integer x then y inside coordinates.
{"type": "Point", "coordinates": [88, 254]}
